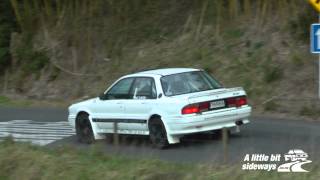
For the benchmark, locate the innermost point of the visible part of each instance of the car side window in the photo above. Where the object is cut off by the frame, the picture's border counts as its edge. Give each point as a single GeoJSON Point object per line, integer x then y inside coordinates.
{"type": "Point", "coordinates": [143, 88]}
{"type": "Point", "coordinates": [121, 89]}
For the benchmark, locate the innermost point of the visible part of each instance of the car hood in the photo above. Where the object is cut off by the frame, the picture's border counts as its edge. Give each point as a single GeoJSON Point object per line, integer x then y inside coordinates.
{"type": "Point", "coordinates": [81, 103]}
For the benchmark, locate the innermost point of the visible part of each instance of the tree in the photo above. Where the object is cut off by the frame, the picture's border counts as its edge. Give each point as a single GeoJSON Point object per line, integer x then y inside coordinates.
{"type": "Point", "coordinates": [7, 25]}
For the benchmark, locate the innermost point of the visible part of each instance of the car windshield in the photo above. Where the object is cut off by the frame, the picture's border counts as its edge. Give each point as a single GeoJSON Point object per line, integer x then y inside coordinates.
{"type": "Point", "coordinates": [188, 82]}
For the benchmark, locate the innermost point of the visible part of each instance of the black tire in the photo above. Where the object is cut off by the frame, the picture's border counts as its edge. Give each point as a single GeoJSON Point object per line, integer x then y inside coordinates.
{"type": "Point", "coordinates": [158, 134]}
{"type": "Point", "coordinates": [84, 130]}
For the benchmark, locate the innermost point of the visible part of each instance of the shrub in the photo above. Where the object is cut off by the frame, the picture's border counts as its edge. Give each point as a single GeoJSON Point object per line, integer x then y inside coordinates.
{"type": "Point", "coordinates": [271, 106]}
{"type": "Point", "coordinates": [31, 60]}
{"type": "Point", "coordinates": [297, 60]}
{"type": "Point", "coordinates": [309, 111]}
{"type": "Point", "coordinates": [299, 26]}
{"type": "Point", "coordinates": [272, 74]}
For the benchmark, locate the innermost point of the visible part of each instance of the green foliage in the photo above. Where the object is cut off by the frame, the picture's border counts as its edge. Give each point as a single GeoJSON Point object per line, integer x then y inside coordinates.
{"type": "Point", "coordinates": [271, 106]}
{"type": "Point", "coordinates": [297, 60]}
{"type": "Point", "coordinates": [247, 84]}
{"type": "Point", "coordinates": [8, 102]}
{"type": "Point", "coordinates": [31, 60]}
{"type": "Point", "coordinates": [238, 40]}
{"type": "Point", "coordinates": [115, 24]}
{"type": "Point", "coordinates": [272, 74]}
{"type": "Point", "coordinates": [310, 111]}
{"type": "Point", "coordinates": [234, 33]}
{"type": "Point", "coordinates": [200, 53]}
{"type": "Point", "coordinates": [24, 161]}
{"type": "Point", "coordinates": [258, 45]}
{"type": "Point", "coordinates": [54, 74]}
{"type": "Point", "coordinates": [7, 25]}
{"type": "Point", "coordinates": [36, 61]}
{"type": "Point", "coordinates": [4, 53]}
{"type": "Point", "coordinates": [299, 26]}
{"type": "Point", "coordinates": [4, 100]}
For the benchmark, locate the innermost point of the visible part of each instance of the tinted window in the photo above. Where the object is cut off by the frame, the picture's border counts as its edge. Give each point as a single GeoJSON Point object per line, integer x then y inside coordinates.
{"type": "Point", "coordinates": [121, 89]}
{"type": "Point", "coordinates": [188, 82]}
{"type": "Point", "coordinates": [143, 88]}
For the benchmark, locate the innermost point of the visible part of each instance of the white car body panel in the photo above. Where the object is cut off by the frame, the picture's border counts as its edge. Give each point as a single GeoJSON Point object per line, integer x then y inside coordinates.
{"type": "Point", "coordinates": [133, 115]}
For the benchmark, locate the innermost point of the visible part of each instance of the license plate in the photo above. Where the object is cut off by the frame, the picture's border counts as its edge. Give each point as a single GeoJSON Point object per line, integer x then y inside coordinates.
{"type": "Point", "coordinates": [217, 104]}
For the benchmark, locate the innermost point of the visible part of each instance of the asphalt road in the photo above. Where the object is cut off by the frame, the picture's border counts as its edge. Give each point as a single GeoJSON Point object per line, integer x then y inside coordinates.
{"type": "Point", "coordinates": [262, 136]}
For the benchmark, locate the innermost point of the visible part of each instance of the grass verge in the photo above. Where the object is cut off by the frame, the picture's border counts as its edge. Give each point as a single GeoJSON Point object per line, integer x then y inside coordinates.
{"type": "Point", "coordinates": [24, 161]}
{"type": "Point", "coordinates": [10, 102]}
{"type": "Point", "coordinates": [6, 101]}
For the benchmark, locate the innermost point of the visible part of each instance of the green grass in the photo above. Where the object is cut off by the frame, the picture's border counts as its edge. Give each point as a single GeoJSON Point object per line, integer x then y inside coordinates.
{"type": "Point", "coordinates": [24, 161]}
{"type": "Point", "coordinates": [5, 101]}
{"type": "Point", "coordinates": [310, 111]}
{"type": "Point", "coordinates": [271, 106]}
{"type": "Point", "coordinates": [9, 102]}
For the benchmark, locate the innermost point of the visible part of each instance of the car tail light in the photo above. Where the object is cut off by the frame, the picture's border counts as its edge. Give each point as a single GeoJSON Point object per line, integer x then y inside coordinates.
{"type": "Point", "coordinates": [237, 101]}
{"type": "Point", "coordinates": [190, 109]}
{"type": "Point", "coordinates": [196, 108]}
{"type": "Point", "coordinates": [241, 101]}
{"type": "Point", "coordinates": [231, 102]}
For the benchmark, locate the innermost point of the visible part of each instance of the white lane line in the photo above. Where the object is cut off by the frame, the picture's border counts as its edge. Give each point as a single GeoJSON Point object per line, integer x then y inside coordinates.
{"type": "Point", "coordinates": [34, 122]}
{"type": "Point", "coordinates": [17, 121]}
{"type": "Point", "coordinates": [37, 123]}
{"type": "Point", "coordinates": [9, 129]}
{"type": "Point", "coordinates": [18, 135]}
{"type": "Point", "coordinates": [35, 142]}
{"type": "Point", "coordinates": [41, 127]}
{"type": "Point", "coordinates": [39, 133]}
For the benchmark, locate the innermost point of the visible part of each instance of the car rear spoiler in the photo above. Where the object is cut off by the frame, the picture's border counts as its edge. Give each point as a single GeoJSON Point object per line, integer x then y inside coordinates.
{"type": "Point", "coordinates": [222, 91]}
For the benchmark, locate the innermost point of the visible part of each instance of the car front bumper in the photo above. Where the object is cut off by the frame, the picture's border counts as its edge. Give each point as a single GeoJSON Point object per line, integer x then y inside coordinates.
{"type": "Point", "coordinates": [210, 121]}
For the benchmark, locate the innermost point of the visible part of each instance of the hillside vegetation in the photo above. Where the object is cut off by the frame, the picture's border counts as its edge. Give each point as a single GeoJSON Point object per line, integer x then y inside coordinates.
{"type": "Point", "coordinates": [23, 161]}
{"type": "Point", "coordinates": [70, 49]}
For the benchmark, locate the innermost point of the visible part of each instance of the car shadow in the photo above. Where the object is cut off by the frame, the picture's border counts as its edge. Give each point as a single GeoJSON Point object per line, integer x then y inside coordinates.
{"type": "Point", "coordinates": [143, 142]}
{"type": "Point", "coordinates": [199, 139]}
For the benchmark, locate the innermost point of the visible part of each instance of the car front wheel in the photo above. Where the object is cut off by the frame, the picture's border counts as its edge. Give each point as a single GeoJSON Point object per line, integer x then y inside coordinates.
{"type": "Point", "coordinates": [84, 130]}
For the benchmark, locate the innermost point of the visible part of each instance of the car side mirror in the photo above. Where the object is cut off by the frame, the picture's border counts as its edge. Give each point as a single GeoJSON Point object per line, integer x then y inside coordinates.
{"type": "Point", "coordinates": [102, 96]}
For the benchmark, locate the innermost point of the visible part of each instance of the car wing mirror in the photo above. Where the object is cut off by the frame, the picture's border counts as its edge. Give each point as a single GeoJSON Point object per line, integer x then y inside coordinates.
{"type": "Point", "coordinates": [102, 96]}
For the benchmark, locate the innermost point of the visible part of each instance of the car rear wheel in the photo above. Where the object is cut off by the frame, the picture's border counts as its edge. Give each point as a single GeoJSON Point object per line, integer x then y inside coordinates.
{"type": "Point", "coordinates": [158, 134]}
{"type": "Point", "coordinates": [84, 130]}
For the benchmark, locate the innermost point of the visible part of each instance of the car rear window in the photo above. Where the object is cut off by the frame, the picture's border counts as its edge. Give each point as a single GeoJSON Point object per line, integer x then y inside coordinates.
{"type": "Point", "coordinates": [188, 82]}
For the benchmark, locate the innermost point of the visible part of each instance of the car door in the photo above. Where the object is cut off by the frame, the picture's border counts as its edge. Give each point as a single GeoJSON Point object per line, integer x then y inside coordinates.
{"type": "Point", "coordinates": [138, 109]}
{"type": "Point", "coordinates": [110, 107]}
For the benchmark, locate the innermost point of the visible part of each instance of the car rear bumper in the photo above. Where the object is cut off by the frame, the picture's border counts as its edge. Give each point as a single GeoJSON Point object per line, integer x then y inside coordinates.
{"type": "Point", "coordinates": [207, 122]}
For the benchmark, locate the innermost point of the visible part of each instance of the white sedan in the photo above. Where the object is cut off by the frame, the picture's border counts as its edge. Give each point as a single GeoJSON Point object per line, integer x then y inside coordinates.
{"type": "Point", "coordinates": [164, 104]}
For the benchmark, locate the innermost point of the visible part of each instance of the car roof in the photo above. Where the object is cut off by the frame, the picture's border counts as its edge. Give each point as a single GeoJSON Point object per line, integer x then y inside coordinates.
{"type": "Point", "coordinates": [166, 71]}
